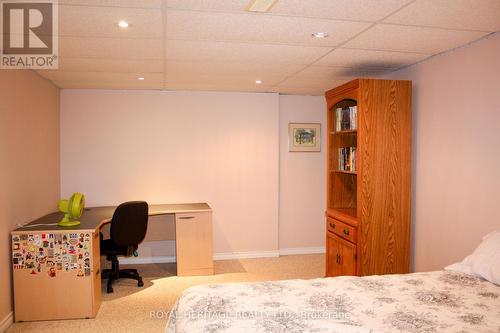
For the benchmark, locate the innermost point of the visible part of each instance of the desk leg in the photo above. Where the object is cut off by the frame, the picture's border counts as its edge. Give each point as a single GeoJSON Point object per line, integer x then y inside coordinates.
{"type": "Point", "coordinates": [96, 272]}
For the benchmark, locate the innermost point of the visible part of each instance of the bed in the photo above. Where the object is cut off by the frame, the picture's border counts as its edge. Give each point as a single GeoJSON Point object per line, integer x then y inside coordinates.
{"type": "Point", "coordinates": [441, 301]}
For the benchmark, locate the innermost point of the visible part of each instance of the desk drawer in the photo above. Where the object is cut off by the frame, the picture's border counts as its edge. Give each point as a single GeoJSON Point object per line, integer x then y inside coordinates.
{"type": "Point", "coordinates": [342, 229]}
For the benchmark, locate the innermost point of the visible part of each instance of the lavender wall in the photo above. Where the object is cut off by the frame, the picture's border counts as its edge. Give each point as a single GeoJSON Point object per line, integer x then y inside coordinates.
{"type": "Point", "coordinates": [456, 105]}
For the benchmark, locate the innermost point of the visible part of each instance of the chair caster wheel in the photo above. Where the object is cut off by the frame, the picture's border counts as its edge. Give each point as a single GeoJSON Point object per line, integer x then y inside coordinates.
{"type": "Point", "coordinates": [140, 283]}
{"type": "Point", "coordinates": [109, 290]}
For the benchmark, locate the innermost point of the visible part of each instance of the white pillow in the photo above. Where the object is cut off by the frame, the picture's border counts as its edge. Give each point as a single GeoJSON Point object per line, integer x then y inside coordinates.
{"type": "Point", "coordinates": [484, 261]}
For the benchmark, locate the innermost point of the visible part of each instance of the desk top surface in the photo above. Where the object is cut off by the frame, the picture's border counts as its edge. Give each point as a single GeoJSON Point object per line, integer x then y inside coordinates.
{"type": "Point", "coordinates": [94, 217]}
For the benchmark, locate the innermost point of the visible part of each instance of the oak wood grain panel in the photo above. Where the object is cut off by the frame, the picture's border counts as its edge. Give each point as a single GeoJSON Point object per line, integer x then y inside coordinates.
{"type": "Point", "coordinates": [341, 256]}
{"type": "Point", "coordinates": [347, 257]}
{"type": "Point", "coordinates": [333, 252]}
{"type": "Point", "coordinates": [345, 91]}
{"type": "Point", "coordinates": [377, 198]}
{"type": "Point", "coordinates": [384, 184]}
{"type": "Point", "coordinates": [344, 188]}
{"type": "Point", "coordinates": [347, 215]}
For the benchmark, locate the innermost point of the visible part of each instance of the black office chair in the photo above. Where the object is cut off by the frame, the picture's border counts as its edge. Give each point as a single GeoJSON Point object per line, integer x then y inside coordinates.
{"type": "Point", "coordinates": [128, 229]}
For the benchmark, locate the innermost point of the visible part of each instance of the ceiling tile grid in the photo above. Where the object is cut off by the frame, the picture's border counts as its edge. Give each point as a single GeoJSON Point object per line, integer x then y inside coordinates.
{"type": "Point", "coordinates": [390, 37]}
{"type": "Point", "coordinates": [111, 65]}
{"type": "Point", "coordinates": [81, 21]}
{"type": "Point", "coordinates": [252, 53]}
{"type": "Point", "coordinates": [218, 45]}
{"type": "Point", "coordinates": [481, 15]}
{"type": "Point", "coordinates": [366, 59]}
{"type": "Point", "coordinates": [258, 28]}
{"type": "Point", "coordinates": [355, 10]}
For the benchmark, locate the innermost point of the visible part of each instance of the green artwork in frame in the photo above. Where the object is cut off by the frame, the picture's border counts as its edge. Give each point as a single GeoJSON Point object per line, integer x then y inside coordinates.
{"type": "Point", "coordinates": [304, 137]}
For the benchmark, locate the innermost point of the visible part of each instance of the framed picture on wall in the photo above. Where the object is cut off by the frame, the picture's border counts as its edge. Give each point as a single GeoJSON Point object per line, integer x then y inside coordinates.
{"type": "Point", "coordinates": [304, 137]}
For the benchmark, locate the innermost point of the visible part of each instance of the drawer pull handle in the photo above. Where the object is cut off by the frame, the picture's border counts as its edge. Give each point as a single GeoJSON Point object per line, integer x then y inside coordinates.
{"type": "Point", "coordinates": [98, 271]}
{"type": "Point", "coordinates": [346, 232]}
{"type": "Point", "coordinates": [186, 217]}
{"type": "Point", "coordinates": [332, 225]}
{"type": "Point", "coordinates": [337, 259]}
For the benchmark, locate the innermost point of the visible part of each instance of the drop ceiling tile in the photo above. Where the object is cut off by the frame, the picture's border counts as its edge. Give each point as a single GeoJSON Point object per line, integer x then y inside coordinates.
{"type": "Point", "coordinates": [80, 21]}
{"type": "Point", "coordinates": [200, 86]}
{"type": "Point", "coordinates": [114, 3]}
{"type": "Point", "coordinates": [309, 84]}
{"type": "Point", "coordinates": [452, 14]}
{"type": "Point", "coordinates": [412, 39]}
{"type": "Point", "coordinates": [194, 25]}
{"type": "Point", "coordinates": [122, 85]}
{"type": "Point", "coordinates": [362, 59]}
{"type": "Point", "coordinates": [116, 48]}
{"type": "Point", "coordinates": [298, 91]}
{"type": "Point", "coordinates": [58, 76]}
{"type": "Point", "coordinates": [224, 5]}
{"type": "Point", "coordinates": [237, 80]}
{"type": "Point", "coordinates": [268, 54]}
{"type": "Point", "coordinates": [362, 10]}
{"type": "Point", "coordinates": [257, 70]}
{"type": "Point", "coordinates": [110, 65]}
{"type": "Point", "coordinates": [328, 73]}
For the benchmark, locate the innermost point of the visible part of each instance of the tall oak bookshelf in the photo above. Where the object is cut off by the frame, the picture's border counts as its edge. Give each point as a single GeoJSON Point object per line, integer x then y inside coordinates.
{"type": "Point", "coordinates": [368, 178]}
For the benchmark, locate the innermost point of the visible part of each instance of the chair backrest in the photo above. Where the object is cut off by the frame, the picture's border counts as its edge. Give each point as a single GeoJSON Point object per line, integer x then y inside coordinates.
{"type": "Point", "coordinates": [129, 223]}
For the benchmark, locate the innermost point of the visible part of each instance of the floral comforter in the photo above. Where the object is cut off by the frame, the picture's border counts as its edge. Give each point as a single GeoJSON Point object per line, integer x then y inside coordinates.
{"type": "Point", "coordinates": [439, 301]}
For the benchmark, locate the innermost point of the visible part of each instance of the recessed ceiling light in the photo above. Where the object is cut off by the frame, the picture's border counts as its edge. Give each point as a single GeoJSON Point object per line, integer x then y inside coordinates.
{"type": "Point", "coordinates": [140, 78]}
{"type": "Point", "coordinates": [258, 81]}
{"type": "Point", "coordinates": [123, 24]}
{"type": "Point", "coordinates": [320, 35]}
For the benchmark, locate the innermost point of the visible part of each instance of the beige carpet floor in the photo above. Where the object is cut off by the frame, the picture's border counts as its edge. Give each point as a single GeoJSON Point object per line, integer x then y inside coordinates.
{"type": "Point", "coordinates": [133, 309]}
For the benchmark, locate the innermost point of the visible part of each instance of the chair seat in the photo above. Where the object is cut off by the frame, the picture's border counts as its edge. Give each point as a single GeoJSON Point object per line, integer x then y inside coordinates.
{"type": "Point", "coordinates": [110, 248]}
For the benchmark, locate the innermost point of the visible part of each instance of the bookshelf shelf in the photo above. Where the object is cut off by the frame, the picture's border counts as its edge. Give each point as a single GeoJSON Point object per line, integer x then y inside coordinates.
{"type": "Point", "coordinates": [368, 208]}
{"type": "Point", "coordinates": [352, 132]}
{"type": "Point", "coordinates": [345, 172]}
{"type": "Point", "coordinates": [345, 213]}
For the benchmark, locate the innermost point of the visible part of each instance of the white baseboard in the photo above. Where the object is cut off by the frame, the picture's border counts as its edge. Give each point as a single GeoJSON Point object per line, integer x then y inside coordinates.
{"type": "Point", "coordinates": [302, 250]}
{"type": "Point", "coordinates": [6, 322]}
{"type": "Point", "coordinates": [147, 260]}
{"type": "Point", "coordinates": [246, 255]}
{"type": "Point", "coordinates": [227, 255]}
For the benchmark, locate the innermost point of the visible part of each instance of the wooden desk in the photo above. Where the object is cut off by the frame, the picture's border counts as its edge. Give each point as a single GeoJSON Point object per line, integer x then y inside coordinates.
{"type": "Point", "coordinates": [56, 270]}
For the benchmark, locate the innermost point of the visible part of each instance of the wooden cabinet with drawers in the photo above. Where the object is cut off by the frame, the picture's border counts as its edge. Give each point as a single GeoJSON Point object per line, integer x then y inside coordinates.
{"type": "Point", "coordinates": [368, 178]}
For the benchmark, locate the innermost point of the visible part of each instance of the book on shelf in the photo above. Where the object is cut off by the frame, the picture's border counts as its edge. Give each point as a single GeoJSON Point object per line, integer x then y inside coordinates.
{"type": "Point", "coordinates": [347, 159]}
{"type": "Point", "coordinates": [346, 118]}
